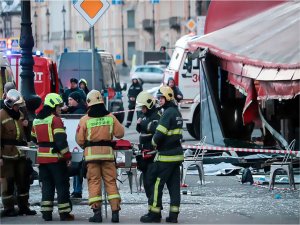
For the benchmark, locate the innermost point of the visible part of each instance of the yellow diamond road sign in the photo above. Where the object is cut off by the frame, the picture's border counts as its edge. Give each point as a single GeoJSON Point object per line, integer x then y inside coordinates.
{"type": "Point", "coordinates": [191, 25]}
{"type": "Point", "coordinates": [91, 10]}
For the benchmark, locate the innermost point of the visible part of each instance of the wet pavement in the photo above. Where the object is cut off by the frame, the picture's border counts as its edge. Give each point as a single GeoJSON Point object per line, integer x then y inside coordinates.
{"type": "Point", "coordinates": [222, 200]}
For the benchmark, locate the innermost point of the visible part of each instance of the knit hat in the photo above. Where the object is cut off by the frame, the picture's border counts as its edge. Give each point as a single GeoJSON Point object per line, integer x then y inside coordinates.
{"type": "Point", "coordinates": [170, 78]}
{"type": "Point", "coordinates": [74, 80]}
{"type": "Point", "coordinates": [76, 96]}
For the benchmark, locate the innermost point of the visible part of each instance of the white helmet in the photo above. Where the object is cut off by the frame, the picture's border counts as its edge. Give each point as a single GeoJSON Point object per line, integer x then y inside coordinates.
{"type": "Point", "coordinates": [14, 97]}
{"type": "Point", "coordinates": [144, 99]}
{"type": "Point", "coordinates": [94, 97]}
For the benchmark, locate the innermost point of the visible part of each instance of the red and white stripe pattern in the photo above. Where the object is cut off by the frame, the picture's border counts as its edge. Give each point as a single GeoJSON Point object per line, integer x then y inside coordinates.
{"type": "Point", "coordinates": [252, 150]}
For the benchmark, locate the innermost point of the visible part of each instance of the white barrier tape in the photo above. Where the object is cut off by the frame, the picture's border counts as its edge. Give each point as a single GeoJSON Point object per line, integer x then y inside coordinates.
{"type": "Point", "coordinates": [123, 111]}
{"type": "Point", "coordinates": [205, 147]}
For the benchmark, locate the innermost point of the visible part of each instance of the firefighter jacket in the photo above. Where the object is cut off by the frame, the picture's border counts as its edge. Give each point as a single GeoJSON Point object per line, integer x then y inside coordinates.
{"type": "Point", "coordinates": [94, 135]}
{"type": "Point", "coordinates": [134, 90]}
{"type": "Point", "coordinates": [12, 134]}
{"type": "Point", "coordinates": [147, 127]}
{"type": "Point", "coordinates": [168, 135]}
{"type": "Point", "coordinates": [50, 135]}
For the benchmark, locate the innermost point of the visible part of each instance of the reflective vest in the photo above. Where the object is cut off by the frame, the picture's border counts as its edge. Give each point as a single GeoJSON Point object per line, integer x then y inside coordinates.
{"type": "Point", "coordinates": [99, 152]}
{"type": "Point", "coordinates": [43, 132]}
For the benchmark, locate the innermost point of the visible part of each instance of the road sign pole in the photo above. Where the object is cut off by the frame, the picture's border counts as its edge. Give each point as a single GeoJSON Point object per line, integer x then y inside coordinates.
{"type": "Point", "coordinates": [93, 56]}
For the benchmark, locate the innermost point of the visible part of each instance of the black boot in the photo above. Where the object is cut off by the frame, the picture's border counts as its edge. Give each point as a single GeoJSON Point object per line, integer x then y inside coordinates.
{"type": "Point", "coordinates": [66, 217]}
{"type": "Point", "coordinates": [9, 213]}
{"type": "Point", "coordinates": [115, 217]}
{"type": "Point", "coordinates": [26, 211]}
{"type": "Point", "coordinates": [151, 217]}
{"type": "Point", "coordinates": [47, 216]}
{"type": "Point", "coordinates": [172, 218]}
{"type": "Point", "coordinates": [97, 217]}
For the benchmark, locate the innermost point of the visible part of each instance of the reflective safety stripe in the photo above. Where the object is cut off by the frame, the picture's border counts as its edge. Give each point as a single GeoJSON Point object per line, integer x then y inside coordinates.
{"type": "Point", "coordinates": [65, 150]}
{"type": "Point", "coordinates": [155, 209]}
{"type": "Point", "coordinates": [50, 203]}
{"type": "Point", "coordinates": [95, 199]}
{"type": "Point", "coordinates": [17, 130]}
{"type": "Point", "coordinates": [22, 195]}
{"type": "Point", "coordinates": [6, 120]}
{"type": "Point", "coordinates": [171, 158]}
{"type": "Point", "coordinates": [174, 208]}
{"type": "Point", "coordinates": [153, 143]}
{"type": "Point", "coordinates": [7, 197]}
{"type": "Point", "coordinates": [162, 129]}
{"type": "Point", "coordinates": [99, 121]}
{"type": "Point", "coordinates": [156, 192]}
{"type": "Point", "coordinates": [46, 120]}
{"type": "Point", "coordinates": [46, 209]}
{"type": "Point", "coordinates": [64, 210]}
{"type": "Point", "coordinates": [46, 206]}
{"type": "Point", "coordinates": [99, 156]}
{"type": "Point", "coordinates": [63, 205]}
{"type": "Point", "coordinates": [167, 132]}
{"type": "Point", "coordinates": [59, 130]}
{"type": "Point", "coordinates": [42, 154]}
{"type": "Point", "coordinates": [10, 156]}
{"type": "Point", "coordinates": [110, 197]}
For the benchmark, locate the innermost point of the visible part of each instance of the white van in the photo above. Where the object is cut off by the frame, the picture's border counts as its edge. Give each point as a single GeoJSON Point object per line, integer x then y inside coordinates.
{"type": "Point", "coordinates": [188, 83]}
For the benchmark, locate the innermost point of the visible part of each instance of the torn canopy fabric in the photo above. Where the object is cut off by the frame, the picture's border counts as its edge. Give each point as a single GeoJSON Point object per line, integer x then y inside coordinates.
{"type": "Point", "coordinates": [264, 48]}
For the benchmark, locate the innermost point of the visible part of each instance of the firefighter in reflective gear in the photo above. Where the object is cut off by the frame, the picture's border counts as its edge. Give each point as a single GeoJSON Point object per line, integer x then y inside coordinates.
{"type": "Point", "coordinates": [94, 134]}
{"type": "Point", "coordinates": [146, 126]}
{"type": "Point", "coordinates": [13, 161]}
{"type": "Point", "coordinates": [134, 89]}
{"type": "Point", "coordinates": [166, 166]}
{"type": "Point", "coordinates": [53, 157]}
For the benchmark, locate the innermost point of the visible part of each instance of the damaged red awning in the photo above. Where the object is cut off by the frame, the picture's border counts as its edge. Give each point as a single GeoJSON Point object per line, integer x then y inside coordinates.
{"type": "Point", "coordinates": [264, 47]}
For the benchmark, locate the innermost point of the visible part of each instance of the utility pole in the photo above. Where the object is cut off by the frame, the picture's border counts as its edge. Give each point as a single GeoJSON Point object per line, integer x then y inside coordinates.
{"type": "Point", "coordinates": [122, 26]}
{"type": "Point", "coordinates": [64, 25]}
{"type": "Point", "coordinates": [153, 14]}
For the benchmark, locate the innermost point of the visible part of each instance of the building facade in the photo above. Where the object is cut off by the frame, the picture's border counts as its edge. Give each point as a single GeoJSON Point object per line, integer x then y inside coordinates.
{"type": "Point", "coordinates": [146, 27]}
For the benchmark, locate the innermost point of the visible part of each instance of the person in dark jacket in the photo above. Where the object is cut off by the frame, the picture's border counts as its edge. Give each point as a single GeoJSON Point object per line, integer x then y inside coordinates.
{"type": "Point", "coordinates": [13, 172]}
{"type": "Point", "coordinates": [166, 166]}
{"type": "Point", "coordinates": [83, 86]}
{"type": "Point", "coordinates": [76, 104]}
{"type": "Point", "coordinates": [74, 87]}
{"type": "Point", "coordinates": [146, 126]}
{"type": "Point", "coordinates": [177, 93]}
{"type": "Point", "coordinates": [133, 92]}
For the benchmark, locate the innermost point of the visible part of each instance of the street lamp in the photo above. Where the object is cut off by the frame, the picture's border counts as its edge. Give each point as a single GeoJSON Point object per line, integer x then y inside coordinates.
{"type": "Point", "coordinates": [63, 11]}
{"type": "Point", "coordinates": [35, 24]}
{"type": "Point", "coordinates": [153, 26]}
{"type": "Point", "coordinates": [122, 26]}
{"type": "Point", "coordinates": [26, 43]}
{"type": "Point", "coordinates": [48, 26]}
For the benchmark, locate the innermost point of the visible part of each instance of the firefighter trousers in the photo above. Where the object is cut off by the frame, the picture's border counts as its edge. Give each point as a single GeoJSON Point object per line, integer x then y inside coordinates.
{"type": "Point", "coordinates": [55, 176]}
{"type": "Point", "coordinates": [14, 173]}
{"type": "Point", "coordinates": [106, 171]}
{"type": "Point", "coordinates": [159, 174]}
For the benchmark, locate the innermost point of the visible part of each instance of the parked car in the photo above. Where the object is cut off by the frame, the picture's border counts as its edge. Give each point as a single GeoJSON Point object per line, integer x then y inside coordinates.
{"type": "Point", "coordinates": [148, 73]}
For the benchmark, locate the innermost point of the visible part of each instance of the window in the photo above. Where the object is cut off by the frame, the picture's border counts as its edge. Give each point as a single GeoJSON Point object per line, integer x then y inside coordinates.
{"type": "Point", "coordinates": [131, 19]}
{"type": "Point", "coordinates": [131, 49]}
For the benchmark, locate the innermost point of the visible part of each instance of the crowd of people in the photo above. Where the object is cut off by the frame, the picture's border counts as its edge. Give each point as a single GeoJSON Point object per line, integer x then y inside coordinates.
{"type": "Point", "coordinates": [160, 131]}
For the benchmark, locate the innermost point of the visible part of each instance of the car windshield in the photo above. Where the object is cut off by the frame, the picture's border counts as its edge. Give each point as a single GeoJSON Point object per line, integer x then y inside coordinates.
{"type": "Point", "coordinates": [176, 59]}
